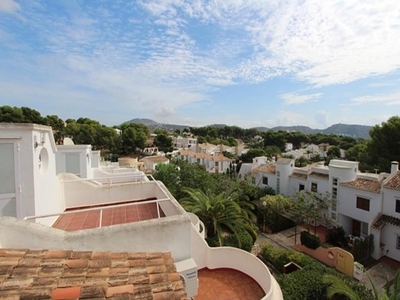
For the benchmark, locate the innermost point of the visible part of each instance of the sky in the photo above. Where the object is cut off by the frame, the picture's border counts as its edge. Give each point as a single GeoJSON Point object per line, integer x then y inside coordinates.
{"type": "Point", "coordinates": [247, 63]}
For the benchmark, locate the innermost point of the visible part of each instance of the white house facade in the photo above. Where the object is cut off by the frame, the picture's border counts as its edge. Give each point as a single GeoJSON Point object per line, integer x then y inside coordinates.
{"type": "Point", "coordinates": [34, 201]}
{"type": "Point", "coordinates": [363, 203]}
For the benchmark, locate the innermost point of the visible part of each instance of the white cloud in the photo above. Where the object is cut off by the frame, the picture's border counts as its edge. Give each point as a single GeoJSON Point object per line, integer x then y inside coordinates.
{"type": "Point", "coordinates": [9, 6]}
{"type": "Point", "coordinates": [293, 98]}
{"type": "Point", "coordinates": [387, 99]}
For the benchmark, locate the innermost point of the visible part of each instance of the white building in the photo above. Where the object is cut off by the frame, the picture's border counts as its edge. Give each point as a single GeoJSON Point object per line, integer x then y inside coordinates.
{"type": "Point", "coordinates": [31, 191]}
{"type": "Point", "coordinates": [364, 203]}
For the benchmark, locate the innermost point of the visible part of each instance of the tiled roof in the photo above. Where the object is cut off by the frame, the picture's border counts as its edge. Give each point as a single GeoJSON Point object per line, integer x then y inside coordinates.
{"type": "Point", "coordinates": [185, 152]}
{"type": "Point", "coordinates": [320, 175]}
{"type": "Point", "coordinates": [383, 219]}
{"type": "Point", "coordinates": [43, 274]}
{"type": "Point", "coordinates": [155, 158]}
{"type": "Point", "coordinates": [201, 155]}
{"type": "Point", "coordinates": [220, 158]}
{"type": "Point", "coordinates": [364, 184]}
{"type": "Point", "coordinates": [393, 182]}
{"type": "Point", "coordinates": [299, 175]}
{"type": "Point", "coordinates": [265, 169]}
{"type": "Point", "coordinates": [284, 161]}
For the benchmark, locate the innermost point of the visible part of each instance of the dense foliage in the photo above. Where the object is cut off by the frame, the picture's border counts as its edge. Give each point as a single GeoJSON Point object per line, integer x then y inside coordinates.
{"type": "Point", "coordinates": [219, 213]}
{"type": "Point", "coordinates": [307, 283]}
{"type": "Point", "coordinates": [309, 240]}
{"type": "Point", "coordinates": [270, 213]}
{"type": "Point", "coordinates": [335, 236]}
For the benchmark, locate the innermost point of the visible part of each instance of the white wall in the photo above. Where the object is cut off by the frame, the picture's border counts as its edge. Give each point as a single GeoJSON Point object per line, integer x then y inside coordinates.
{"type": "Point", "coordinates": [389, 235]}
{"type": "Point", "coordinates": [46, 193]}
{"type": "Point", "coordinates": [344, 170]}
{"type": "Point", "coordinates": [294, 184]}
{"type": "Point", "coordinates": [85, 159]}
{"type": "Point", "coordinates": [36, 190]}
{"type": "Point", "coordinates": [85, 193]}
{"type": "Point", "coordinates": [389, 204]}
{"type": "Point", "coordinates": [172, 234]}
{"type": "Point", "coordinates": [237, 259]}
{"type": "Point", "coordinates": [347, 204]}
{"type": "Point", "coordinates": [285, 171]}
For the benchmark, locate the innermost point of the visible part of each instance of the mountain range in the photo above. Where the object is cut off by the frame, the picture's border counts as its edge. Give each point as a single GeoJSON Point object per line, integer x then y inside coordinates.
{"type": "Point", "coordinates": [353, 130]}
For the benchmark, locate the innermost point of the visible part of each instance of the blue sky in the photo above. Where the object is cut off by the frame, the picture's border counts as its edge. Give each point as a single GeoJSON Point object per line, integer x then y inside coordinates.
{"type": "Point", "coordinates": [241, 62]}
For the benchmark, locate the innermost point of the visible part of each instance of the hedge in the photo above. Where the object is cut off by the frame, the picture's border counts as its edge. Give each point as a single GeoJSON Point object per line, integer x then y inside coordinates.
{"type": "Point", "coordinates": [309, 240]}
{"type": "Point", "coordinates": [306, 283]}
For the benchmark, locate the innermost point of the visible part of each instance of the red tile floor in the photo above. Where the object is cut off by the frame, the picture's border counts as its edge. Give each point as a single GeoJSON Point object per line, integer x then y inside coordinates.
{"type": "Point", "coordinates": [227, 284]}
{"type": "Point", "coordinates": [79, 220]}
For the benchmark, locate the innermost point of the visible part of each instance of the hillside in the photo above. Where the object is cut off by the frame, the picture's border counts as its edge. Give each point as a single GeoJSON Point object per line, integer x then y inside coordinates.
{"type": "Point", "coordinates": [353, 130]}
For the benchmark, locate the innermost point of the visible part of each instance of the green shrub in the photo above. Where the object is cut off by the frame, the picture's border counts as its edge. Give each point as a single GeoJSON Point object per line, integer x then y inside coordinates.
{"type": "Point", "coordinates": [309, 240]}
{"type": "Point", "coordinates": [246, 241]}
{"type": "Point", "coordinates": [279, 258]}
{"type": "Point", "coordinates": [306, 283]}
{"type": "Point", "coordinates": [336, 237]}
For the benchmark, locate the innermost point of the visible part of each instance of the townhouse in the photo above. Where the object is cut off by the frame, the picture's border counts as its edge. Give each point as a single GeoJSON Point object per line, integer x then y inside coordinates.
{"type": "Point", "coordinates": [364, 203]}
{"type": "Point", "coordinates": [101, 231]}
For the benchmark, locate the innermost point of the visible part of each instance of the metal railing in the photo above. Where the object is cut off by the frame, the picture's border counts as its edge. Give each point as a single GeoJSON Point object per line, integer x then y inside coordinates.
{"type": "Point", "coordinates": [139, 202]}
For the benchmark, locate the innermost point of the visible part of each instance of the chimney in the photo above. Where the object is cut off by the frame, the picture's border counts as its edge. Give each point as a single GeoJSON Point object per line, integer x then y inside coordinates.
{"type": "Point", "coordinates": [395, 167]}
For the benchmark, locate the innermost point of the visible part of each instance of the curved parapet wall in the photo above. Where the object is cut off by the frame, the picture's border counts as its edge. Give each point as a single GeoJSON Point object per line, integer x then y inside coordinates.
{"type": "Point", "coordinates": [237, 259]}
{"type": "Point", "coordinates": [156, 235]}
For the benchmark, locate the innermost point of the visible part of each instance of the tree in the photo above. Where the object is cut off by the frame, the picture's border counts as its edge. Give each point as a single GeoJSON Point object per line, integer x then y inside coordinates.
{"type": "Point", "coordinates": [338, 287]}
{"type": "Point", "coordinates": [179, 174]}
{"type": "Point", "coordinates": [163, 142]}
{"type": "Point", "coordinates": [133, 136]}
{"type": "Point", "coordinates": [252, 153]}
{"type": "Point", "coordinates": [384, 144]}
{"type": "Point", "coordinates": [219, 213]}
{"type": "Point", "coordinates": [57, 124]}
{"type": "Point", "coordinates": [333, 152]}
{"type": "Point", "coordinates": [20, 115]}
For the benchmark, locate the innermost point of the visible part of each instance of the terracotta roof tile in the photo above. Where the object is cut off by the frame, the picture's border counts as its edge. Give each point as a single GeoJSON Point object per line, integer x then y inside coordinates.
{"type": "Point", "coordinates": [393, 182]}
{"type": "Point", "coordinates": [42, 274]}
{"type": "Point", "coordinates": [364, 184]}
{"type": "Point", "coordinates": [383, 219]}
{"type": "Point", "coordinates": [264, 169]}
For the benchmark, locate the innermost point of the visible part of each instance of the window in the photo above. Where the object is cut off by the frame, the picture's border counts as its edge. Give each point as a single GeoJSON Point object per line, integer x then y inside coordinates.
{"type": "Point", "coordinates": [334, 181]}
{"type": "Point", "coordinates": [265, 180]}
{"type": "Point", "coordinates": [278, 173]}
{"type": "Point", "coordinates": [398, 242]}
{"type": "Point", "coordinates": [314, 187]}
{"type": "Point", "coordinates": [398, 205]}
{"type": "Point", "coordinates": [362, 203]}
{"type": "Point", "coordinates": [301, 187]}
{"type": "Point", "coordinates": [278, 186]}
{"type": "Point", "coordinates": [216, 164]}
{"type": "Point", "coordinates": [334, 198]}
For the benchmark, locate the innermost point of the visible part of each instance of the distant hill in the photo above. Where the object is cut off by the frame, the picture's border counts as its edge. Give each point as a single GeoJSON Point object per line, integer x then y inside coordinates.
{"type": "Point", "coordinates": [153, 125]}
{"type": "Point", "coordinates": [353, 130]}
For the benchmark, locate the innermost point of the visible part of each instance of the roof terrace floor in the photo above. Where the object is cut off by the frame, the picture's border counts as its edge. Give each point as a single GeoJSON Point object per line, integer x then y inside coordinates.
{"type": "Point", "coordinates": [227, 284]}
{"type": "Point", "coordinates": [79, 220]}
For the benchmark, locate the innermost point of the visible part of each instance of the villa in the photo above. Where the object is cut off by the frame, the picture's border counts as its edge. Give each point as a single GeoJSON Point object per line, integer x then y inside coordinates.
{"type": "Point", "coordinates": [71, 228]}
{"type": "Point", "coordinates": [364, 203]}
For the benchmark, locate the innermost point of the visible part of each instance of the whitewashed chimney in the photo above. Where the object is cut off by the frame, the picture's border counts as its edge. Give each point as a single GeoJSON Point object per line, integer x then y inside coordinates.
{"type": "Point", "coordinates": [395, 167]}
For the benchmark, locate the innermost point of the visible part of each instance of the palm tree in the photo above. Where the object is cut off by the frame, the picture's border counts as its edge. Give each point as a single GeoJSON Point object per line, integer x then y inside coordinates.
{"type": "Point", "coordinates": [339, 287]}
{"type": "Point", "coordinates": [219, 213]}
